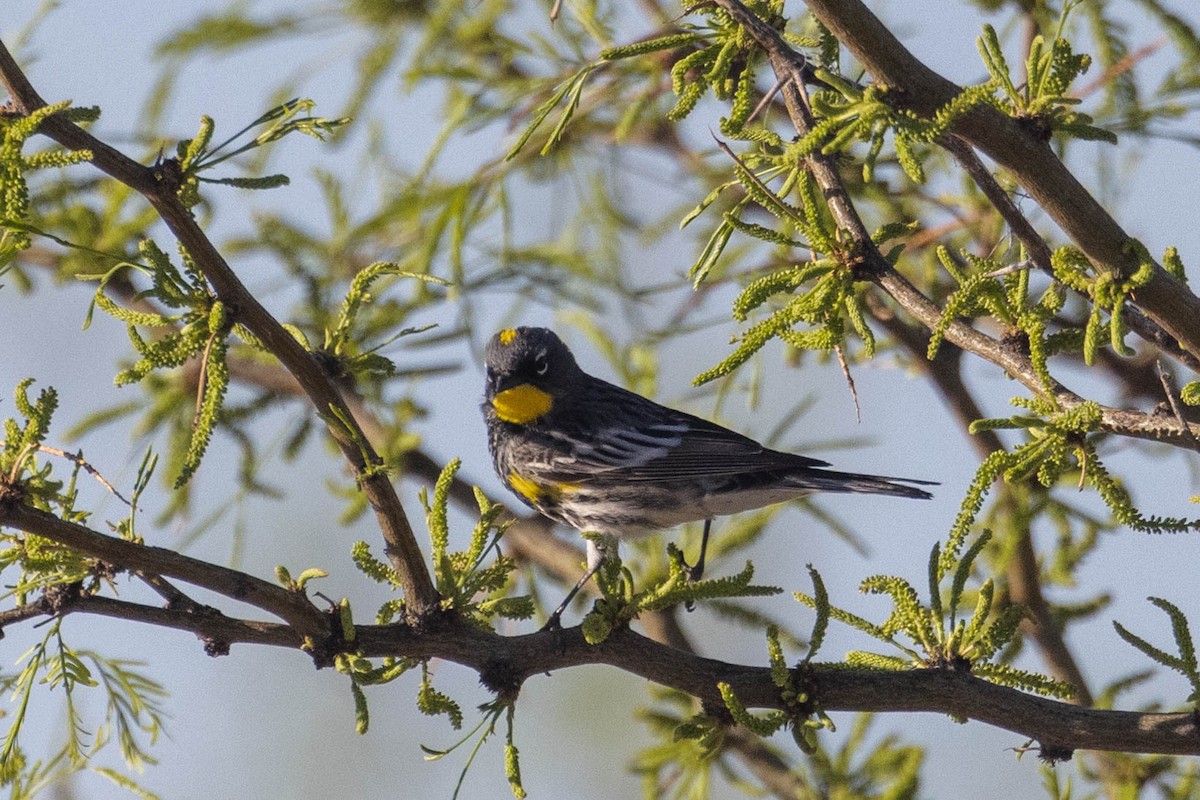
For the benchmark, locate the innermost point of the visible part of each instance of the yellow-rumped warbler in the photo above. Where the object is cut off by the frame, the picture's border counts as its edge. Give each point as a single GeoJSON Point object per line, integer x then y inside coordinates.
{"type": "Point", "coordinates": [606, 461]}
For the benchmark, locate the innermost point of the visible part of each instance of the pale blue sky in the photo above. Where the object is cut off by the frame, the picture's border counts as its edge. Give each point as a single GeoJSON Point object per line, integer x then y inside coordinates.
{"type": "Point", "coordinates": [263, 723]}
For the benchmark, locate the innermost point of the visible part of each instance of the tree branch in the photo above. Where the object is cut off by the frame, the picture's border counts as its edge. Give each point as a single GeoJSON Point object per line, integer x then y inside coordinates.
{"type": "Point", "coordinates": [159, 186]}
{"type": "Point", "coordinates": [1040, 252]}
{"type": "Point", "coordinates": [1024, 576]}
{"type": "Point", "coordinates": [787, 64]}
{"type": "Point", "coordinates": [504, 663]}
{"type": "Point", "coordinates": [1056, 725]}
{"type": "Point", "coordinates": [215, 629]}
{"type": "Point", "coordinates": [292, 607]}
{"type": "Point", "coordinates": [1027, 155]}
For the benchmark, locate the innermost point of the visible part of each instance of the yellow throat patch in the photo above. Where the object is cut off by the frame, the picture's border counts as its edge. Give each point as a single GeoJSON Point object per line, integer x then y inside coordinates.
{"type": "Point", "coordinates": [521, 404]}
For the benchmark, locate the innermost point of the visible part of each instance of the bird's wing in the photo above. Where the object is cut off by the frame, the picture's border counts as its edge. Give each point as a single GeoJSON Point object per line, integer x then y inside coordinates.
{"type": "Point", "coordinates": [668, 445]}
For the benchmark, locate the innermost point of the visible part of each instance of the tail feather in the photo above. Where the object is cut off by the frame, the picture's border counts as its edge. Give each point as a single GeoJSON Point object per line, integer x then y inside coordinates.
{"type": "Point", "coordinates": [824, 480]}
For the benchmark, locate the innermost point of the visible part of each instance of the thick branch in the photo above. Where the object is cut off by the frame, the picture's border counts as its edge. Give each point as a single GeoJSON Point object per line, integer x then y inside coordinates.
{"type": "Point", "coordinates": [1054, 724]}
{"type": "Point", "coordinates": [292, 607]}
{"type": "Point", "coordinates": [216, 629]}
{"type": "Point", "coordinates": [504, 663]}
{"type": "Point", "coordinates": [1021, 150]}
{"type": "Point", "coordinates": [159, 187]}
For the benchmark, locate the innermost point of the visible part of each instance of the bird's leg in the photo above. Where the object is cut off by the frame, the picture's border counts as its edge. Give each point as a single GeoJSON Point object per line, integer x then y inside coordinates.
{"type": "Point", "coordinates": [696, 571]}
{"type": "Point", "coordinates": [596, 553]}
{"type": "Point", "coordinates": [555, 621]}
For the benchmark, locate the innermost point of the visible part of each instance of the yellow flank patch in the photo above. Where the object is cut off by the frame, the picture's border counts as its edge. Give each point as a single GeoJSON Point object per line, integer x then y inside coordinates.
{"type": "Point", "coordinates": [536, 492]}
{"type": "Point", "coordinates": [521, 404]}
{"type": "Point", "coordinates": [525, 487]}
{"type": "Point", "coordinates": [507, 336]}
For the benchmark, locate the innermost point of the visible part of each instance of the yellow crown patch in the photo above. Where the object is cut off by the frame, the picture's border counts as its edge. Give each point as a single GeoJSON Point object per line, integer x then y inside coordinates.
{"type": "Point", "coordinates": [507, 336]}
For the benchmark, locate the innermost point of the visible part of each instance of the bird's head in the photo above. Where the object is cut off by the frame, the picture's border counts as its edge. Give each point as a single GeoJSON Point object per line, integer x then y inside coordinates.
{"type": "Point", "coordinates": [527, 369]}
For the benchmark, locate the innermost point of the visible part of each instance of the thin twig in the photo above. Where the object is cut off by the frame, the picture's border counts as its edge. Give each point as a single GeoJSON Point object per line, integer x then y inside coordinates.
{"type": "Point", "coordinates": [766, 99]}
{"type": "Point", "coordinates": [78, 460]}
{"type": "Point", "coordinates": [174, 596]}
{"type": "Point", "coordinates": [1173, 401]}
{"type": "Point", "coordinates": [202, 380]}
{"type": "Point", "coordinates": [841, 357]}
{"type": "Point", "coordinates": [1011, 269]}
{"type": "Point", "coordinates": [1120, 67]}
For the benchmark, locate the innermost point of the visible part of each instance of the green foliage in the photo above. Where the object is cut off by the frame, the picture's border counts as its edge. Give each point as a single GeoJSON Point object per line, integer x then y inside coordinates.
{"type": "Point", "coordinates": [369, 320]}
{"type": "Point", "coordinates": [849, 114]}
{"type": "Point", "coordinates": [932, 634]}
{"type": "Point", "coordinates": [433, 703]}
{"type": "Point", "coordinates": [481, 733]}
{"type": "Point", "coordinates": [1173, 264]}
{"type": "Point", "coordinates": [133, 714]}
{"type": "Point", "coordinates": [198, 154]}
{"type": "Point", "coordinates": [298, 583]}
{"type": "Point", "coordinates": [372, 567]}
{"type": "Point", "coordinates": [569, 92]}
{"type": "Point", "coordinates": [226, 31]}
{"type": "Point", "coordinates": [801, 713]}
{"type": "Point", "coordinates": [1185, 662]}
{"type": "Point", "coordinates": [1058, 445]}
{"type": "Point", "coordinates": [823, 305]}
{"type": "Point", "coordinates": [760, 725]}
{"type": "Point", "coordinates": [15, 131]}
{"type": "Point", "coordinates": [362, 672]}
{"type": "Point", "coordinates": [474, 589]}
{"type": "Point", "coordinates": [490, 73]}
{"type": "Point", "coordinates": [689, 747]}
{"type": "Point", "coordinates": [885, 768]}
{"type": "Point", "coordinates": [214, 382]}
{"type": "Point", "coordinates": [716, 58]}
{"type": "Point", "coordinates": [691, 750]}
{"type": "Point", "coordinates": [1044, 96]}
{"type": "Point", "coordinates": [831, 302]}
{"type": "Point", "coordinates": [621, 602]}
{"type": "Point", "coordinates": [341, 341]}
{"type": "Point", "coordinates": [468, 585]}
{"type": "Point", "coordinates": [671, 42]}
{"type": "Point", "coordinates": [21, 442]}
{"type": "Point", "coordinates": [127, 528]}
{"type": "Point", "coordinates": [198, 332]}
{"type": "Point", "coordinates": [820, 602]}
{"type": "Point", "coordinates": [1190, 393]}
{"type": "Point", "coordinates": [39, 563]}
{"type": "Point", "coordinates": [1005, 299]}
{"type": "Point", "coordinates": [1108, 292]}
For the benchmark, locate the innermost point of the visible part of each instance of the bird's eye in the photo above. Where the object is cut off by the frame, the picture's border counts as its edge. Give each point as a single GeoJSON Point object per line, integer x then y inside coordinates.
{"type": "Point", "coordinates": [540, 365]}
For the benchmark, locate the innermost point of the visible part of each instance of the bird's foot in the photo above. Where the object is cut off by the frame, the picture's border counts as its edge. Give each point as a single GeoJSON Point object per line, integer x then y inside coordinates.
{"type": "Point", "coordinates": [694, 573]}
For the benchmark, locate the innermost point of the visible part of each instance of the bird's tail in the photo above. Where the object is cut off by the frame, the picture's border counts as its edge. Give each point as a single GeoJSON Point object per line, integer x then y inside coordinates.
{"type": "Point", "coordinates": [825, 480]}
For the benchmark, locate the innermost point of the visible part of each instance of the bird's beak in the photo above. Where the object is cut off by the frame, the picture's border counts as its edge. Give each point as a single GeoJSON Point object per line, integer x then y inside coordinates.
{"type": "Point", "coordinates": [498, 383]}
